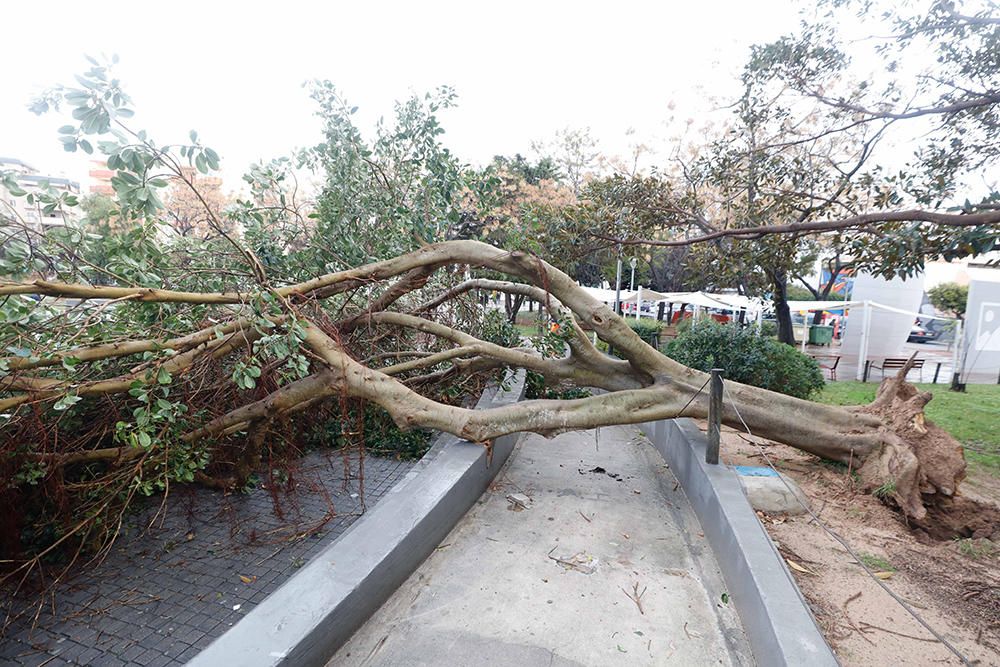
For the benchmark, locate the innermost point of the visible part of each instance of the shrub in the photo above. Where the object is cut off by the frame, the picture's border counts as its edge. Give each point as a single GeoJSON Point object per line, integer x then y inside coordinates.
{"type": "Point", "coordinates": [769, 328]}
{"type": "Point", "coordinates": [535, 388]}
{"type": "Point", "coordinates": [747, 357]}
{"type": "Point", "coordinates": [495, 328]}
{"type": "Point", "coordinates": [645, 328]}
{"type": "Point", "coordinates": [380, 433]}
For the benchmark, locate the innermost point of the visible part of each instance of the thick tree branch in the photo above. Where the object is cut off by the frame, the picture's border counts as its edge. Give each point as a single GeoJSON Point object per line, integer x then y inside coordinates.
{"type": "Point", "coordinates": [819, 226]}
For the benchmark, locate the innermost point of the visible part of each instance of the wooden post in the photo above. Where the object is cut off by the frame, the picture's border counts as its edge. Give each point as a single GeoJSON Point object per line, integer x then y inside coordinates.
{"type": "Point", "coordinates": [659, 310]}
{"type": "Point", "coordinates": [714, 417]}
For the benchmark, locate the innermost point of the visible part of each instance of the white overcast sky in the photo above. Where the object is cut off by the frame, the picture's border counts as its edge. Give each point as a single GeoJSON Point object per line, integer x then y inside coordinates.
{"type": "Point", "coordinates": [234, 70]}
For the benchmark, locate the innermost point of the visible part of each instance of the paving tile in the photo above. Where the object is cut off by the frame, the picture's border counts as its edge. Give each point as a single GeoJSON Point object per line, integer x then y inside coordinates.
{"type": "Point", "coordinates": [197, 580]}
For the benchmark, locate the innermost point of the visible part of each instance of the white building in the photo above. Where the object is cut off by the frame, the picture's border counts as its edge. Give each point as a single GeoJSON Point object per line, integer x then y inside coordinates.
{"type": "Point", "coordinates": [28, 178]}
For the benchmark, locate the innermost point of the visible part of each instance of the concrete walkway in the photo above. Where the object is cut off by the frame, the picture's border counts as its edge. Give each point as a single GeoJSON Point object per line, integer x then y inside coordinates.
{"type": "Point", "coordinates": [606, 565]}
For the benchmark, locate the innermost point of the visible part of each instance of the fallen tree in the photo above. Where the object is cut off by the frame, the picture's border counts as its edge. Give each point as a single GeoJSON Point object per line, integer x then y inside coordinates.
{"type": "Point", "coordinates": [138, 359]}
{"type": "Point", "coordinates": [889, 443]}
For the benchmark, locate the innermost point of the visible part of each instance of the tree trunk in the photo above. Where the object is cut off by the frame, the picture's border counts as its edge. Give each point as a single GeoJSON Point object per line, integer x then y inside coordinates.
{"type": "Point", "coordinates": [779, 282]}
{"type": "Point", "coordinates": [512, 306]}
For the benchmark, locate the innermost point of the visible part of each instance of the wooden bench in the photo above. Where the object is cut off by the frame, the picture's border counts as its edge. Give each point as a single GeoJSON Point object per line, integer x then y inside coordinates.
{"type": "Point", "coordinates": [891, 363]}
{"type": "Point", "coordinates": [828, 362]}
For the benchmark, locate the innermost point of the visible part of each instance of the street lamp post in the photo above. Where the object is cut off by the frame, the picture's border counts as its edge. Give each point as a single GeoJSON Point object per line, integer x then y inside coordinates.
{"type": "Point", "coordinates": [631, 285]}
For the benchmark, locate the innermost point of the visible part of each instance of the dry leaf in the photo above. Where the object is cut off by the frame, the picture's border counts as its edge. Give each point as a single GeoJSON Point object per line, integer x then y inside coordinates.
{"type": "Point", "coordinates": [883, 575]}
{"type": "Point", "coordinates": [247, 580]}
{"type": "Point", "coordinates": [799, 568]}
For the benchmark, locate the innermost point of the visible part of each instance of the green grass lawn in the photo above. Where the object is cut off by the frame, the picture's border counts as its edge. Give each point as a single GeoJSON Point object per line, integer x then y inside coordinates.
{"type": "Point", "coordinates": [973, 417]}
{"type": "Point", "coordinates": [527, 330]}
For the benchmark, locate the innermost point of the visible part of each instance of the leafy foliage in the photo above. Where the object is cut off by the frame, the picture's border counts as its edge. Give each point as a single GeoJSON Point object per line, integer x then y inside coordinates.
{"type": "Point", "coordinates": [949, 298]}
{"type": "Point", "coordinates": [76, 462]}
{"type": "Point", "coordinates": [535, 387]}
{"type": "Point", "coordinates": [746, 356]}
{"type": "Point", "coordinates": [646, 329]}
{"type": "Point", "coordinates": [381, 435]}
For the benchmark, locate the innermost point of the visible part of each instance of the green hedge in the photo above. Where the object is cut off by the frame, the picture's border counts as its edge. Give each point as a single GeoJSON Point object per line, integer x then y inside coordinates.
{"type": "Point", "coordinates": [747, 357]}
{"type": "Point", "coordinates": [645, 328]}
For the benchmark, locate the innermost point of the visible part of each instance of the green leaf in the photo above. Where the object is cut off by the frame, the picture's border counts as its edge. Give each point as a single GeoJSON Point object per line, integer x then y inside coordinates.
{"type": "Point", "coordinates": [163, 376]}
{"type": "Point", "coordinates": [67, 129]}
{"type": "Point", "coordinates": [66, 402]}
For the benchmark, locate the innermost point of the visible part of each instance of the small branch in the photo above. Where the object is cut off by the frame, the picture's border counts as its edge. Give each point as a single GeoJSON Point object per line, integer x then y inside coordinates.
{"type": "Point", "coordinates": [635, 596]}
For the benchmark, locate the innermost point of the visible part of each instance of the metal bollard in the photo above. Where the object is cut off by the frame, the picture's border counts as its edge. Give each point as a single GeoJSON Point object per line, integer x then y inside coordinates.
{"type": "Point", "coordinates": [714, 416]}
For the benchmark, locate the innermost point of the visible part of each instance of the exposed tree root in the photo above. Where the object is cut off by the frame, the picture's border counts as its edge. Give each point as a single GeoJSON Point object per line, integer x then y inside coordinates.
{"type": "Point", "coordinates": [919, 463]}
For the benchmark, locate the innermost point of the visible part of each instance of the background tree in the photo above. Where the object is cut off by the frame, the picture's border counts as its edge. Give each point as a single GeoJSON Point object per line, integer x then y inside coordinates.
{"type": "Point", "coordinates": [950, 298]}
{"type": "Point", "coordinates": [575, 153]}
{"type": "Point", "coordinates": [189, 211]}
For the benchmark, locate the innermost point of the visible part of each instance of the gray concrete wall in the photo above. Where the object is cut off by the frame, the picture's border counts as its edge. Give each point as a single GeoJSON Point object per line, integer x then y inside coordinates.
{"type": "Point", "coordinates": [317, 610]}
{"type": "Point", "coordinates": [775, 616]}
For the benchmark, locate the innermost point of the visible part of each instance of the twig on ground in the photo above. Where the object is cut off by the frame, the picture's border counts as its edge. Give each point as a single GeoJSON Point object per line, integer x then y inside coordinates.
{"type": "Point", "coordinates": [690, 634]}
{"type": "Point", "coordinates": [871, 626]}
{"type": "Point", "coordinates": [635, 596]}
{"type": "Point", "coordinates": [851, 623]}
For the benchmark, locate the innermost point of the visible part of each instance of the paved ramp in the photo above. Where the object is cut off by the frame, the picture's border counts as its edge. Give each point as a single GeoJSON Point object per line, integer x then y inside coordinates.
{"type": "Point", "coordinates": [605, 566]}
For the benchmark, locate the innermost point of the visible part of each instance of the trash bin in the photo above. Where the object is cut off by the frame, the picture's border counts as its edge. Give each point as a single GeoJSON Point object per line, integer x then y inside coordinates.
{"type": "Point", "coordinates": [820, 335]}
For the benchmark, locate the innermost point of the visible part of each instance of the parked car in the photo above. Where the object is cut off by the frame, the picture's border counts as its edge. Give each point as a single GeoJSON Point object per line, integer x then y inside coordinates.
{"type": "Point", "coordinates": [919, 334]}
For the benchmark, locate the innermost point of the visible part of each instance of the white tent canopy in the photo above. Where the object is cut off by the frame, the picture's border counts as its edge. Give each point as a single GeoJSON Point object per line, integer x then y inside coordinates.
{"type": "Point", "coordinates": [699, 299]}
{"type": "Point", "coordinates": [647, 295]}
{"type": "Point", "coordinates": [603, 295]}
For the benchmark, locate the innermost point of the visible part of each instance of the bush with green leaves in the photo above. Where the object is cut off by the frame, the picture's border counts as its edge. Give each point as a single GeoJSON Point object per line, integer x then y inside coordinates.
{"type": "Point", "coordinates": [381, 435]}
{"type": "Point", "coordinates": [535, 387]}
{"type": "Point", "coordinates": [645, 328]}
{"type": "Point", "coordinates": [746, 356]}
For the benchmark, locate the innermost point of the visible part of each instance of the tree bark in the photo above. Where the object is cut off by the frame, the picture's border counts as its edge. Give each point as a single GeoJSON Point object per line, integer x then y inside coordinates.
{"type": "Point", "coordinates": [512, 306]}
{"type": "Point", "coordinates": [782, 314]}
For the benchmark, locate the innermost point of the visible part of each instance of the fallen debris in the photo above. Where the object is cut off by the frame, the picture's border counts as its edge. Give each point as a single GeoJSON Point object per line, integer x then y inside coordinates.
{"type": "Point", "coordinates": [635, 596]}
{"type": "Point", "coordinates": [580, 562]}
{"type": "Point", "coordinates": [598, 470]}
{"type": "Point", "coordinates": [518, 502]}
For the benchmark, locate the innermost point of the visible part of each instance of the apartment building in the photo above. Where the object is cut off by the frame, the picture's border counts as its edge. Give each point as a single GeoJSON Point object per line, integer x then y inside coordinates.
{"type": "Point", "coordinates": [30, 179]}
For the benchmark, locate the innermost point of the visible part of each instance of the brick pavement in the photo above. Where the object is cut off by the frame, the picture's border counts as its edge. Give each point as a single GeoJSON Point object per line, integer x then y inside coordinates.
{"type": "Point", "coordinates": [165, 593]}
